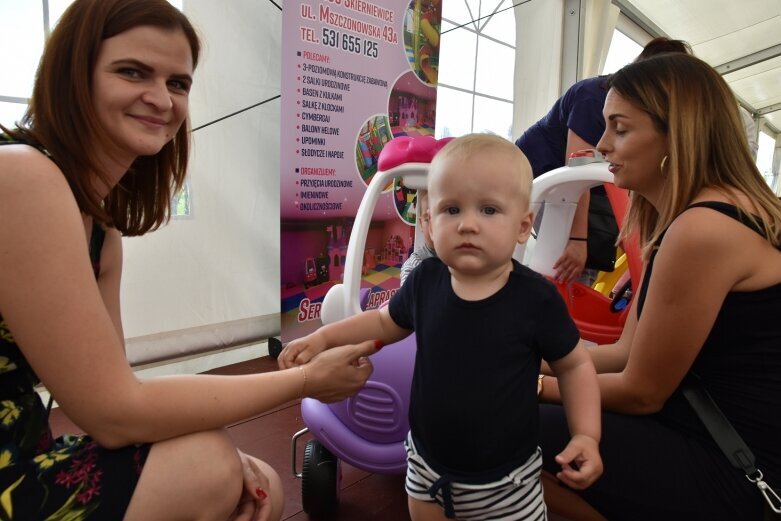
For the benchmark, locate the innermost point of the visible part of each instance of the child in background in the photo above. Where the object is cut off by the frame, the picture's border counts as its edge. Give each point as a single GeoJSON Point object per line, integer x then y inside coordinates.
{"type": "Point", "coordinates": [483, 322]}
{"type": "Point", "coordinates": [425, 251]}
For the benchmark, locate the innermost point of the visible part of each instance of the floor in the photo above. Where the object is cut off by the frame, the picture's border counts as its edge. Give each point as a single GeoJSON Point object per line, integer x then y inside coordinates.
{"type": "Point", "coordinates": [363, 496]}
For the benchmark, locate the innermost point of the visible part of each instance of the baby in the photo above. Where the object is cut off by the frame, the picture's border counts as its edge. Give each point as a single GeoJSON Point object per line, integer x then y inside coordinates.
{"type": "Point", "coordinates": [483, 323]}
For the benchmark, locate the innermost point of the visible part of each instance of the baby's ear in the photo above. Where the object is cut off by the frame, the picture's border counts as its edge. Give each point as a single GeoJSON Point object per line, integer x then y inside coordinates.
{"type": "Point", "coordinates": [525, 228]}
{"type": "Point", "coordinates": [429, 223]}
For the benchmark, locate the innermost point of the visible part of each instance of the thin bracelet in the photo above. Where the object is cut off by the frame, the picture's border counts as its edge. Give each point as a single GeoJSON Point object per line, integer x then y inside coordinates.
{"type": "Point", "coordinates": [303, 387]}
{"type": "Point", "coordinates": [540, 385]}
{"type": "Point", "coordinates": [578, 238]}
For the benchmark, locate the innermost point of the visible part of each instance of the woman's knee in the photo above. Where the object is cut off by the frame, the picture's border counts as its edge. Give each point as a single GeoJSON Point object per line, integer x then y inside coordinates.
{"type": "Point", "coordinates": [199, 473]}
{"type": "Point", "coordinates": [211, 455]}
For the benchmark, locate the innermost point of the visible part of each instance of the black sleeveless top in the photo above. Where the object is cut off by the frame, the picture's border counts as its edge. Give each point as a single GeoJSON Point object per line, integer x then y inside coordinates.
{"type": "Point", "coordinates": [739, 364]}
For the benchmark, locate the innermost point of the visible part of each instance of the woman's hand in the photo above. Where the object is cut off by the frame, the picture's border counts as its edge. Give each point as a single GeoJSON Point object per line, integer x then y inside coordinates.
{"type": "Point", "coordinates": [572, 262]}
{"type": "Point", "coordinates": [583, 451]}
{"type": "Point", "coordinates": [255, 503]}
{"type": "Point", "coordinates": [340, 372]}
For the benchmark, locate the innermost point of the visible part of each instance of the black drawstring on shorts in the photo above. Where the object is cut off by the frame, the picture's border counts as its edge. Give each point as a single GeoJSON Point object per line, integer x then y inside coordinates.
{"type": "Point", "coordinates": [443, 484]}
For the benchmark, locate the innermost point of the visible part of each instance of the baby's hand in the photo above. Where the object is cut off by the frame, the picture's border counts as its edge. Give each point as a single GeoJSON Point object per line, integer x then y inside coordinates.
{"type": "Point", "coordinates": [580, 462]}
{"type": "Point", "coordinates": [301, 351]}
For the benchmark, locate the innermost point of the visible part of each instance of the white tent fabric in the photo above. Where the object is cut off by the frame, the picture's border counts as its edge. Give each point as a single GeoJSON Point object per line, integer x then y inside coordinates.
{"type": "Point", "coordinates": [538, 43]}
{"type": "Point", "coordinates": [599, 23]}
{"type": "Point", "coordinates": [539, 74]}
{"type": "Point", "coordinates": [740, 39]}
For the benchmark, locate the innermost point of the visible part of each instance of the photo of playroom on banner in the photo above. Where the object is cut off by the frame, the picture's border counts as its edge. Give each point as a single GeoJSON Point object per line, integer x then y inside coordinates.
{"type": "Point", "coordinates": [355, 75]}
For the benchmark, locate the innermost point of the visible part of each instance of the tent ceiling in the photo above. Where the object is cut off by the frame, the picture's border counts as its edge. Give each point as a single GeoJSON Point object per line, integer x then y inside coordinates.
{"type": "Point", "coordinates": [742, 40]}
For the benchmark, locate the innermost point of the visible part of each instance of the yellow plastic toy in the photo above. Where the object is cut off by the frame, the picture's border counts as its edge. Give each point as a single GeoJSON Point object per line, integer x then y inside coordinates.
{"type": "Point", "coordinates": [606, 280]}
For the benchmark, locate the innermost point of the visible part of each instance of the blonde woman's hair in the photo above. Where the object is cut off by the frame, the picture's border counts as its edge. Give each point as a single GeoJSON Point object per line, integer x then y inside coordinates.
{"type": "Point", "coordinates": [694, 108]}
{"type": "Point", "coordinates": [469, 144]}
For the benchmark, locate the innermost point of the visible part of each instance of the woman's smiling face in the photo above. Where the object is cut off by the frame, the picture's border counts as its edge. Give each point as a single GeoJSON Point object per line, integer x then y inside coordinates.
{"type": "Point", "coordinates": [140, 85]}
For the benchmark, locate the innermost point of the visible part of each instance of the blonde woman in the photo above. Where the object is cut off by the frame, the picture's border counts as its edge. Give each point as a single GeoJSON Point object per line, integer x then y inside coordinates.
{"type": "Point", "coordinates": [709, 226]}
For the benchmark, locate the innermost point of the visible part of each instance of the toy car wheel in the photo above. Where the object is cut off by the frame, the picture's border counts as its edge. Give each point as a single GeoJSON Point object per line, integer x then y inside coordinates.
{"type": "Point", "coordinates": [320, 480]}
{"type": "Point", "coordinates": [274, 347]}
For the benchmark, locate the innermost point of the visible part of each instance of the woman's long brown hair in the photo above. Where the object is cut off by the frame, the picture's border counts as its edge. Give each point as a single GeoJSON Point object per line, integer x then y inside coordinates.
{"type": "Point", "coordinates": [62, 119]}
{"type": "Point", "coordinates": [694, 108]}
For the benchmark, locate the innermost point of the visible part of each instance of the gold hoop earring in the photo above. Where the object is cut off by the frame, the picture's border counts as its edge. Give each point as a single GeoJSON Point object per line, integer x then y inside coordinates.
{"type": "Point", "coordinates": [661, 166]}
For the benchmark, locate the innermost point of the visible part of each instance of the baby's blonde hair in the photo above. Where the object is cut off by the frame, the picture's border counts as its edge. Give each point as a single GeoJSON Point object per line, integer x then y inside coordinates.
{"type": "Point", "coordinates": [471, 144]}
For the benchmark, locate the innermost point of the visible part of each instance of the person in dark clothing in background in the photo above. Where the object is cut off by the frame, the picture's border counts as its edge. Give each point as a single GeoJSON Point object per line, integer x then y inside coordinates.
{"type": "Point", "coordinates": [575, 123]}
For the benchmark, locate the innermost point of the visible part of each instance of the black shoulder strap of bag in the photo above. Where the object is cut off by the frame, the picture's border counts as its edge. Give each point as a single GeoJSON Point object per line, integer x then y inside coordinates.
{"type": "Point", "coordinates": [727, 438]}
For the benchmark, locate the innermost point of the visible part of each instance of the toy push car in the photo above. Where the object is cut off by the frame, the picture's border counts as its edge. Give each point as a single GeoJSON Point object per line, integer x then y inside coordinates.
{"type": "Point", "coordinates": [599, 319]}
{"type": "Point", "coordinates": [368, 429]}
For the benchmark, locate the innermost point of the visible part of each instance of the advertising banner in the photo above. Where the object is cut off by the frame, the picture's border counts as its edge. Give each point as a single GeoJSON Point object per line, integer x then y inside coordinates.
{"type": "Point", "coordinates": [355, 74]}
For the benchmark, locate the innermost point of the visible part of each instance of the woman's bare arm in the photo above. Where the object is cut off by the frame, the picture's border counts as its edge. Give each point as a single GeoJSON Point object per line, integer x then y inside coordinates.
{"type": "Point", "coordinates": [703, 257]}
{"type": "Point", "coordinates": [53, 306]}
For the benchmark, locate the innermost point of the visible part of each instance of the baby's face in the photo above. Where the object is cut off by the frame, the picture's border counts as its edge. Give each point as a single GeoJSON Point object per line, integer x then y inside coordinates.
{"type": "Point", "coordinates": [479, 211]}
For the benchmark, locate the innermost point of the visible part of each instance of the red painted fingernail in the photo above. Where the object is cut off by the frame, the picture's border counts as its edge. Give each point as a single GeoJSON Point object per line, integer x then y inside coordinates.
{"type": "Point", "coordinates": [378, 344]}
{"type": "Point", "coordinates": [260, 493]}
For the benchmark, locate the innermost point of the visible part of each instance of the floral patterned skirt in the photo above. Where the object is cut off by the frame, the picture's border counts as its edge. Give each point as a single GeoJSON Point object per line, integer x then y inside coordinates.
{"type": "Point", "coordinates": [71, 478]}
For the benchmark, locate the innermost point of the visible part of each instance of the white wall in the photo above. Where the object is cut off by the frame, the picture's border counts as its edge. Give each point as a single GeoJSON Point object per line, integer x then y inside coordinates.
{"type": "Point", "coordinates": [217, 271]}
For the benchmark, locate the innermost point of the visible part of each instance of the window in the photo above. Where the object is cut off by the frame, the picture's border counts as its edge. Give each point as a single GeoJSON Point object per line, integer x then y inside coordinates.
{"type": "Point", "coordinates": [767, 146]}
{"type": "Point", "coordinates": [22, 24]}
{"type": "Point", "coordinates": [11, 111]}
{"type": "Point", "coordinates": [622, 50]}
{"type": "Point", "coordinates": [476, 68]}
{"type": "Point", "coordinates": [181, 202]}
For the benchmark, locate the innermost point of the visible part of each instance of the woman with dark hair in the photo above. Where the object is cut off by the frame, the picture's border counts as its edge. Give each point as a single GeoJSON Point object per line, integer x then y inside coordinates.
{"type": "Point", "coordinates": [101, 149]}
{"type": "Point", "coordinates": [710, 229]}
{"type": "Point", "coordinates": [575, 123]}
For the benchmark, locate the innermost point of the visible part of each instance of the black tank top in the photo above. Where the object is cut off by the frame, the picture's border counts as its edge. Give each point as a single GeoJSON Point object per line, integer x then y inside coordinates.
{"type": "Point", "coordinates": [739, 364]}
